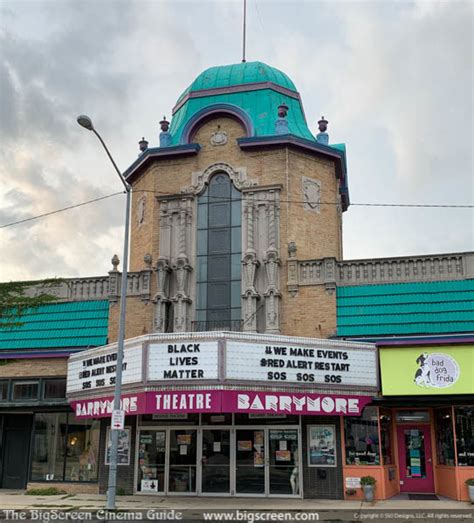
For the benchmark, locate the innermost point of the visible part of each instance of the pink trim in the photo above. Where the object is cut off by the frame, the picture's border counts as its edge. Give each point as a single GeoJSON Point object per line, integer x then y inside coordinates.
{"type": "Point", "coordinates": [194, 401]}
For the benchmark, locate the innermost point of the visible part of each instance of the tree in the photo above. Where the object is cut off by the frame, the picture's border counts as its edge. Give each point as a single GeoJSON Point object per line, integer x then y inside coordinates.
{"type": "Point", "coordinates": [16, 297]}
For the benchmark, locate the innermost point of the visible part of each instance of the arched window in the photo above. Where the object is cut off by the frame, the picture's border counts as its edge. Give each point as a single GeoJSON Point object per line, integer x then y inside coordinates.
{"type": "Point", "coordinates": [219, 254]}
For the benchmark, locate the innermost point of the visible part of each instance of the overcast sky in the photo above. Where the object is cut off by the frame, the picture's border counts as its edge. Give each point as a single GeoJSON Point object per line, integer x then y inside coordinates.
{"type": "Point", "coordinates": [394, 79]}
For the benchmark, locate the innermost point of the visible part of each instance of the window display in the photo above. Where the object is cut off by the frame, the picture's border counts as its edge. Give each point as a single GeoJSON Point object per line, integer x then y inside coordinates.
{"type": "Point", "coordinates": [64, 448]}
{"type": "Point", "coordinates": [444, 437]}
{"type": "Point", "coordinates": [464, 418]}
{"type": "Point", "coordinates": [361, 438]}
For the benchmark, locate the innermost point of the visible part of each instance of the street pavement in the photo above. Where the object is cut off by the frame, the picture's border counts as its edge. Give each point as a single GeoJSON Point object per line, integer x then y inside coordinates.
{"type": "Point", "coordinates": [162, 508]}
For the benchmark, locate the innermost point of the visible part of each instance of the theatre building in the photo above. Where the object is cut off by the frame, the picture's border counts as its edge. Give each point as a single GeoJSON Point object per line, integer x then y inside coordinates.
{"type": "Point", "coordinates": [231, 385]}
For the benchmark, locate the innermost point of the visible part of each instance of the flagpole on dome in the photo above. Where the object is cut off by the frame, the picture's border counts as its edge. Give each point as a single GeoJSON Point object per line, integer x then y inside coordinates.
{"type": "Point", "coordinates": [244, 32]}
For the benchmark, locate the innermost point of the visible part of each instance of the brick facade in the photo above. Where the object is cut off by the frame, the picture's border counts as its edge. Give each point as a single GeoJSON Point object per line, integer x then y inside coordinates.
{"type": "Point", "coordinates": [38, 367]}
{"type": "Point", "coordinates": [316, 233]}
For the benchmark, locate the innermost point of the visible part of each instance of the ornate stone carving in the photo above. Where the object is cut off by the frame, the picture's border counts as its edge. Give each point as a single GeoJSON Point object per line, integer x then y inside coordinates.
{"type": "Point", "coordinates": [311, 194]}
{"type": "Point", "coordinates": [141, 207]}
{"type": "Point", "coordinates": [272, 295]}
{"type": "Point", "coordinates": [330, 275]}
{"type": "Point", "coordinates": [175, 248]}
{"type": "Point", "coordinates": [218, 137]}
{"type": "Point", "coordinates": [181, 312]}
{"type": "Point", "coordinates": [201, 178]}
{"type": "Point", "coordinates": [161, 299]}
{"type": "Point", "coordinates": [147, 260]}
{"type": "Point", "coordinates": [272, 312]}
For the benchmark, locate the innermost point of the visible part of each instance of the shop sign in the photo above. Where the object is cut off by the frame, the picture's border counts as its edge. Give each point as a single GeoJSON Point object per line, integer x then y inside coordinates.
{"type": "Point", "coordinates": [183, 361]}
{"type": "Point", "coordinates": [225, 401]}
{"type": "Point", "coordinates": [97, 370]}
{"type": "Point", "coordinates": [184, 401]}
{"type": "Point", "coordinates": [429, 370]}
{"type": "Point", "coordinates": [103, 407]}
{"type": "Point", "coordinates": [293, 403]}
{"type": "Point", "coordinates": [301, 365]}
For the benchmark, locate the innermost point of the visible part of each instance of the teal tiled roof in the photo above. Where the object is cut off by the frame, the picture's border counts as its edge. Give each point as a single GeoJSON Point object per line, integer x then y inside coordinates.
{"type": "Point", "coordinates": [439, 307]}
{"type": "Point", "coordinates": [59, 325]}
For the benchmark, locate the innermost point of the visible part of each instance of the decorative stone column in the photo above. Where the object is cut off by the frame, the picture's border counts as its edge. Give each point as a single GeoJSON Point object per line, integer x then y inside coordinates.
{"type": "Point", "coordinates": [272, 264]}
{"type": "Point", "coordinates": [182, 270]}
{"type": "Point", "coordinates": [249, 267]}
{"type": "Point", "coordinates": [272, 294]}
{"type": "Point", "coordinates": [292, 265]}
{"type": "Point", "coordinates": [161, 298]}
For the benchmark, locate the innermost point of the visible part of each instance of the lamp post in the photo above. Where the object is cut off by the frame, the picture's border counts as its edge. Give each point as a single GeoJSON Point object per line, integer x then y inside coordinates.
{"type": "Point", "coordinates": [86, 122]}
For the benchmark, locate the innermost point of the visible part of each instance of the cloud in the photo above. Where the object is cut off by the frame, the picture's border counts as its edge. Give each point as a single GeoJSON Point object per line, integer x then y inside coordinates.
{"type": "Point", "coordinates": [393, 78]}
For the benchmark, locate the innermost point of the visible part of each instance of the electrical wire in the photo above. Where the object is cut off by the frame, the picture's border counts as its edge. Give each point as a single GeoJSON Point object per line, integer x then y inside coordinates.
{"type": "Point", "coordinates": [60, 210]}
{"type": "Point", "coordinates": [225, 199]}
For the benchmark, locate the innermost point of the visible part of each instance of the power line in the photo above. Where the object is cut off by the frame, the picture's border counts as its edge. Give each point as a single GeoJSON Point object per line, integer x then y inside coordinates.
{"type": "Point", "coordinates": [60, 210]}
{"type": "Point", "coordinates": [225, 199]}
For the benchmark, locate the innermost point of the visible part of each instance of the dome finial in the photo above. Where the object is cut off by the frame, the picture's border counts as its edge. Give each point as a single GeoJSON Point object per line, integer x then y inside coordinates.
{"type": "Point", "coordinates": [165, 135]}
{"type": "Point", "coordinates": [143, 145]}
{"type": "Point", "coordinates": [281, 124]}
{"type": "Point", "coordinates": [323, 136]}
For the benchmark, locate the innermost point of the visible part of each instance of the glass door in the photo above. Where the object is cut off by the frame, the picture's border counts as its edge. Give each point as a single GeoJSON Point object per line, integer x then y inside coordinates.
{"type": "Point", "coordinates": [215, 462]}
{"type": "Point", "coordinates": [283, 462]}
{"type": "Point", "coordinates": [182, 461]}
{"type": "Point", "coordinates": [151, 461]}
{"type": "Point", "coordinates": [250, 461]}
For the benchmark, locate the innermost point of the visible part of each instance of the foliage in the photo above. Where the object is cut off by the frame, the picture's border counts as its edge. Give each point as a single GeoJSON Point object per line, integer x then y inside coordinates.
{"type": "Point", "coordinates": [16, 297]}
{"type": "Point", "coordinates": [48, 491]}
{"type": "Point", "coordinates": [470, 482]}
{"type": "Point", "coordinates": [368, 480]}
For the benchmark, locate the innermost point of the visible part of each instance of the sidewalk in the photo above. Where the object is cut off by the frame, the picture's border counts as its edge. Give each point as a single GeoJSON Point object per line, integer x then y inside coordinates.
{"type": "Point", "coordinates": [91, 502]}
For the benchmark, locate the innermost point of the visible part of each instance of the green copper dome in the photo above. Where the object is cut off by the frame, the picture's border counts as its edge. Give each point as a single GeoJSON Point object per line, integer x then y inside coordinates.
{"type": "Point", "coordinates": [239, 74]}
{"type": "Point", "coordinates": [254, 89]}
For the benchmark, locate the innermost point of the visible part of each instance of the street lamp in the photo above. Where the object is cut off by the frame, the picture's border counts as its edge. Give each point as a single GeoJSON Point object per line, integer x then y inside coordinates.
{"type": "Point", "coordinates": [86, 122]}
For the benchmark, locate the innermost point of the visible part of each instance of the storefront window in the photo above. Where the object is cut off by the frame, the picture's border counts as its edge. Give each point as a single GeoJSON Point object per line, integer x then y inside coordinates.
{"type": "Point", "coordinates": [82, 446]}
{"type": "Point", "coordinates": [54, 389]}
{"type": "Point", "coordinates": [4, 390]}
{"type": "Point", "coordinates": [64, 449]}
{"type": "Point", "coordinates": [48, 447]}
{"type": "Point", "coordinates": [361, 438]}
{"type": "Point", "coordinates": [464, 417]}
{"type": "Point", "coordinates": [25, 390]}
{"type": "Point", "coordinates": [386, 436]}
{"type": "Point", "coordinates": [444, 437]}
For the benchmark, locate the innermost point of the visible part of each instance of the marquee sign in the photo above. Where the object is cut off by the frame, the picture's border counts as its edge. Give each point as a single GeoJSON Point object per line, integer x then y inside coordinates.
{"type": "Point", "coordinates": [183, 361]}
{"type": "Point", "coordinates": [95, 370]}
{"type": "Point", "coordinates": [217, 401]}
{"type": "Point", "coordinates": [301, 365]}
